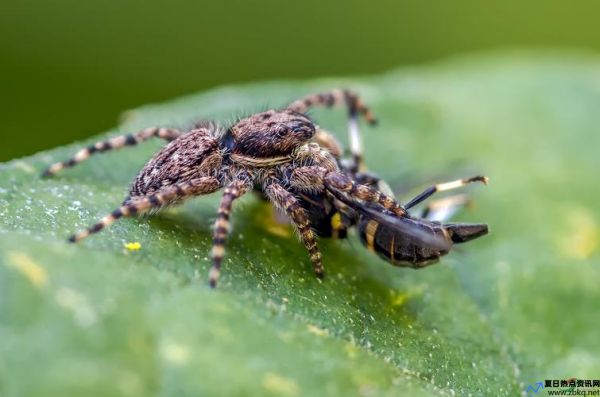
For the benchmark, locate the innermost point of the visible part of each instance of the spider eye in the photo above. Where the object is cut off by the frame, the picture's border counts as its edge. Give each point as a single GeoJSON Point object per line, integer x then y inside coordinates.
{"type": "Point", "coordinates": [299, 128]}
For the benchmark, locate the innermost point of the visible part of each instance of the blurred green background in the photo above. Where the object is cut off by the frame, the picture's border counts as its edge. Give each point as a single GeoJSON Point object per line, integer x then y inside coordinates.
{"type": "Point", "coordinates": [70, 67]}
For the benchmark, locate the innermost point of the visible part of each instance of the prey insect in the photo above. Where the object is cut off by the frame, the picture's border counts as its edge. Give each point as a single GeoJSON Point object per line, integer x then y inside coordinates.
{"type": "Point", "coordinates": [388, 239]}
{"type": "Point", "coordinates": [404, 240]}
{"type": "Point", "coordinates": [275, 150]}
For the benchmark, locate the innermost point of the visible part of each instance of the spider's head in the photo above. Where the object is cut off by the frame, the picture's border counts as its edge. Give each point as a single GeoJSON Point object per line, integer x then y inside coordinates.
{"type": "Point", "coordinates": [271, 133]}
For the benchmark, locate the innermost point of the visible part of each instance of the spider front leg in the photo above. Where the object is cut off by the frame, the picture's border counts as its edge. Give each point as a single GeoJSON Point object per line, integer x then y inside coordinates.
{"type": "Point", "coordinates": [287, 202]}
{"type": "Point", "coordinates": [139, 205]}
{"type": "Point", "coordinates": [327, 141]}
{"type": "Point", "coordinates": [335, 98]}
{"type": "Point", "coordinates": [222, 225]}
{"type": "Point", "coordinates": [310, 178]}
{"type": "Point", "coordinates": [117, 142]}
{"type": "Point", "coordinates": [355, 106]}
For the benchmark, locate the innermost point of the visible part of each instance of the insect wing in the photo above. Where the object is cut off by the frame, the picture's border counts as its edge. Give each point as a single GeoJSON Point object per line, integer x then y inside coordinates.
{"type": "Point", "coordinates": [407, 226]}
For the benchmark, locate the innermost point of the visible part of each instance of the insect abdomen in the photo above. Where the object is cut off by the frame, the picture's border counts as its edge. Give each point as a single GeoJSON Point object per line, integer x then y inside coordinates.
{"type": "Point", "coordinates": [397, 248]}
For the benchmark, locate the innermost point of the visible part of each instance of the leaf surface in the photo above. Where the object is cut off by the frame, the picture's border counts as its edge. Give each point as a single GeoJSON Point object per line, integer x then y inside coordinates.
{"type": "Point", "coordinates": [500, 313]}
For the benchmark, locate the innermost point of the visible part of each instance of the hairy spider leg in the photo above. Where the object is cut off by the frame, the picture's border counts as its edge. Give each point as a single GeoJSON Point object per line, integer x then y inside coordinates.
{"type": "Point", "coordinates": [342, 183]}
{"type": "Point", "coordinates": [327, 141]}
{"type": "Point", "coordinates": [309, 178]}
{"type": "Point", "coordinates": [142, 204]}
{"type": "Point", "coordinates": [222, 226]}
{"type": "Point", "coordinates": [442, 187]}
{"type": "Point", "coordinates": [367, 178]}
{"type": "Point", "coordinates": [117, 142]}
{"type": "Point", "coordinates": [355, 106]}
{"type": "Point", "coordinates": [287, 202]}
{"type": "Point", "coordinates": [335, 97]}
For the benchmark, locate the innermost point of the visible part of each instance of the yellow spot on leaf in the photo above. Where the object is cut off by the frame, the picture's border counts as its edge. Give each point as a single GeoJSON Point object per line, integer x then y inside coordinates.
{"type": "Point", "coordinates": [351, 350]}
{"type": "Point", "coordinates": [398, 298]}
{"type": "Point", "coordinates": [313, 329]}
{"type": "Point", "coordinates": [33, 272]}
{"type": "Point", "coordinates": [175, 353]}
{"type": "Point", "coordinates": [274, 222]}
{"type": "Point", "coordinates": [133, 246]}
{"type": "Point", "coordinates": [581, 237]}
{"type": "Point", "coordinates": [23, 166]}
{"type": "Point", "coordinates": [279, 230]}
{"type": "Point", "coordinates": [280, 385]}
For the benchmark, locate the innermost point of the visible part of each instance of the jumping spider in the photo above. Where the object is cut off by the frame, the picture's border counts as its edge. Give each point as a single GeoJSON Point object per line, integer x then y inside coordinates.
{"type": "Point", "coordinates": [271, 150]}
{"type": "Point", "coordinates": [294, 163]}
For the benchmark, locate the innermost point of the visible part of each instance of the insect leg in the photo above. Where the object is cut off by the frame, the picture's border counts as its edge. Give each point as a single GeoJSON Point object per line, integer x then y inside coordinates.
{"type": "Point", "coordinates": [286, 201]}
{"type": "Point", "coordinates": [222, 226]}
{"type": "Point", "coordinates": [163, 197]}
{"type": "Point", "coordinates": [110, 144]}
{"type": "Point", "coordinates": [443, 187]}
{"type": "Point", "coordinates": [443, 209]}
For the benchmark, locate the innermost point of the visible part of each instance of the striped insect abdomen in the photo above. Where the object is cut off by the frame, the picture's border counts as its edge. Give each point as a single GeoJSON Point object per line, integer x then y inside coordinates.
{"type": "Point", "coordinates": [396, 247]}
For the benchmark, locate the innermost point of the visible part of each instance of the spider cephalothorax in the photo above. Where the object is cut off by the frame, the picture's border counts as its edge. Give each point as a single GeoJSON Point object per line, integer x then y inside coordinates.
{"type": "Point", "coordinates": [271, 133]}
{"type": "Point", "coordinates": [276, 151]}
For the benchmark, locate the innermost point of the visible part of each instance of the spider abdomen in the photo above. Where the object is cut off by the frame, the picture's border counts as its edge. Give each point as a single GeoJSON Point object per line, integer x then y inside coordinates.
{"type": "Point", "coordinates": [192, 155]}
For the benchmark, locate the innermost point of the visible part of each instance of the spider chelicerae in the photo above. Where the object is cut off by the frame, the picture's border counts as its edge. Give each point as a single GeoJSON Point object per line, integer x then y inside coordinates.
{"type": "Point", "coordinates": [294, 163]}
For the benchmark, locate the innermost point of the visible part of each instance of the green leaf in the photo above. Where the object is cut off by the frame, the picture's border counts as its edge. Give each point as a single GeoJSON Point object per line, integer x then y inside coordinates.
{"type": "Point", "coordinates": [500, 313]}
